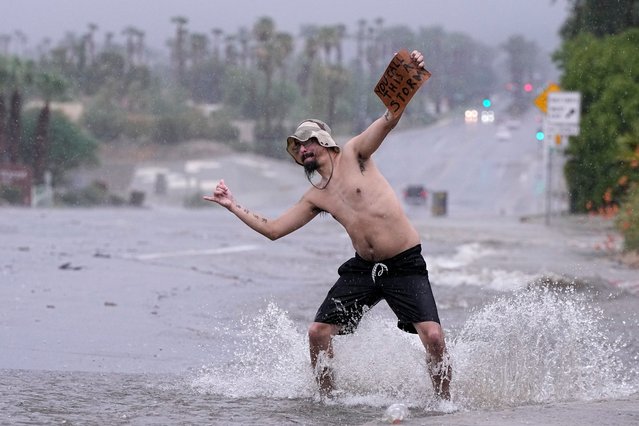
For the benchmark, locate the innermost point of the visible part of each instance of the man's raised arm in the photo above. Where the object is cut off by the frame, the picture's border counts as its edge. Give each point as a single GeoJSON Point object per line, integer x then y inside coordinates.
{"type": "Point", "coordinates": [370, 139]}
{"type": "Point", "coordinates": [294, 218]}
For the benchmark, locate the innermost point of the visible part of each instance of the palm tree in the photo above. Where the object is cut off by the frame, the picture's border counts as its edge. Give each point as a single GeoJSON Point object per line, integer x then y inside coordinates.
{"type": "Point", "coordinates": [330, 38]}
{"type": "Point", "coordinates": [244, 36]}
{"type": "Point", "coordinates": [283, 47]}
{"type": "Point", "coordinates": [134, 46]}
{"type": "Point", "coordinates": [264, 33]}
{"type": "Point", "coordinates": [140, 47]}
{"type": "Point", "coordinates": [5, 41]}
{"type": "Point", "coordinates": [340, 34]}
{"type": "Point", "coordinates": [374, 51]}
{"type": "Point", "coordinates": [199, 48]}
{"type": "Point", "coordinates": [311, 47]}
{"type": "Point", "coordinates": [230, 51]}
{"type": "Point", "coordinates": [271, 51]}
{"type": "Point", "coordinates": [327, 37]}
{"type": "Point", "coordinates": [129, 34]}
{"type": "Point", "coordinates": [521, 60]}
{"type": "Point", "coordinates": [91, 41]}
{"type": "Point", "coordinates": [217, 33]}
{"type": "Point", "coordinates": [434, 46]}
{"type": "Point", "coordinates": [361, 35]}
{"type": "Point", "coordinates": [50, 85]}
{"type": "Point", "coordinates": [108, 40]}
{"type": "Point", "coordinates": [179, 50]}
{"type": "Point", "coordinates": [19, 77]}
{"type": "Point", "coordinates": [44, 51]}
{"type": "Point", "coordinates": [4, 80]}
{"type": "Point", "coordinates": [22, 39]}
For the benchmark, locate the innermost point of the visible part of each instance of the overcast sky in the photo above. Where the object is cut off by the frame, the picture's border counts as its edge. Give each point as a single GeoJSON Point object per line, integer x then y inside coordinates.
{"type": "Point", "coordinates": [489, 21]}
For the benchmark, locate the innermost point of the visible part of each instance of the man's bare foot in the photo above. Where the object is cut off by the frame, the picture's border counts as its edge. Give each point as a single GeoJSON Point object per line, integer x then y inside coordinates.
{"type": "Point", "coordinates": [325, 382]}
{"type": "Point", "coordinates": [441, 383]}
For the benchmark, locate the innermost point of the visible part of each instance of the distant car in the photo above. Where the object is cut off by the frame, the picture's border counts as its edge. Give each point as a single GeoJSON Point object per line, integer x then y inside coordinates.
{"type": "Point", "coordinates": [503, 134]}
{"type": "Point", "coordinates": [470, 116]}
{"type": "Point", "coordinates": [415, 194]}
{"type": "Point", "coordinates": [487, 116]}
{"type": "Point", "coordinates": [513, 123]}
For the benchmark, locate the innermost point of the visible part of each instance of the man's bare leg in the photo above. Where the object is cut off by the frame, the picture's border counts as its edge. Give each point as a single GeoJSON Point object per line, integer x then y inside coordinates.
{"type": "Point", "coordinates": [432, 338]}
{"type": "Point", "coordinates": [320, 339]}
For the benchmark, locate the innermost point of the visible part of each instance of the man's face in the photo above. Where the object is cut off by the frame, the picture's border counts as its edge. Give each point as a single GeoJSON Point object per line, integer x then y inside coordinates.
{"type": "Point", "coordinates": [305, 152]}
{"type": "Point", "coordinates": [310, 167]}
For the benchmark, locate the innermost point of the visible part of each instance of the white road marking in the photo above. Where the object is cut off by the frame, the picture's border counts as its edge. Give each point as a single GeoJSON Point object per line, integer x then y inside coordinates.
{"type": "Point", "coordinates": [201, 252]}
{"type": "Point", "coordinates": [196, 166]}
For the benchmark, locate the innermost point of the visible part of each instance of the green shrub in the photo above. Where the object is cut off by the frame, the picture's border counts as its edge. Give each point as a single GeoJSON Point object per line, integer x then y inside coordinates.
{"type": "Point", "coordinates": [69, 145]}
{"type": "Point", "coordinates": [169, 129]}
{"type": "Point", "coordinates": [270, 143]}
{"type": "Point", "coordinates": [139, 126]}
{"type": "Point", "coordinates": [95, 194]}
{"type": "Point", "coordinates": [627, 221]}
{"type": "Point", "coordinates": [224, 131]}
{"type": "Point", "coordinates": [104, 119]}
{"type": "Point", "coordinates": [10, 195]}
{"type": "Point", "coordinates": [197, 125]}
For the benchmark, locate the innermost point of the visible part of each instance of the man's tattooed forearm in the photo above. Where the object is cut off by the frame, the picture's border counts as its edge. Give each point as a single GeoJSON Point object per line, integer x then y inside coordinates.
{"type": "Point", "coordinates": [260, 218]}
{"type": "Point", "coordinates": [247, 211]}
{"type": "Point", "coordinates": [244, 209]}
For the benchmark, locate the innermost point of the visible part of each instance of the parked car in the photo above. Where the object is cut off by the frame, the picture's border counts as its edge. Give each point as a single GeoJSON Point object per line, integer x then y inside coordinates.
{"type": "Point", "coordinates": [513, 124]}
{"type": "Point", "coordinates": [503, 134]}
{"type": "Point", "coordinates": [415, 194]}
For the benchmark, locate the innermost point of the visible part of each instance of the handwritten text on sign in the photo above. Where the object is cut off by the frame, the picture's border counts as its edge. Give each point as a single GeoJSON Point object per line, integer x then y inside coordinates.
{"type": "Point", "coordinates": [400, 81]}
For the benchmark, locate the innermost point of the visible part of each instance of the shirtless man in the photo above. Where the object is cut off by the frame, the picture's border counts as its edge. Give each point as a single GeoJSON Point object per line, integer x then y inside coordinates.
{"type": "Point", "coordinates": [388, 263]}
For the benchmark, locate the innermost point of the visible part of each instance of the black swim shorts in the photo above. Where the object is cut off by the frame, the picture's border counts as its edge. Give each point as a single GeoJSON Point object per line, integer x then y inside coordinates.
{"type": "Point", "coordinates": [401, 280]}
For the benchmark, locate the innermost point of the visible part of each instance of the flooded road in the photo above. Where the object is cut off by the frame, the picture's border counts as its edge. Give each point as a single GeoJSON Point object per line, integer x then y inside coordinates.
{"type": "Point", "coordinates": [169, 315]}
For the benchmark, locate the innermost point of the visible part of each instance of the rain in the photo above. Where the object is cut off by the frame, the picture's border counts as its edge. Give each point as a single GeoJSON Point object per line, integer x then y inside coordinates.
{"type": "Point", "coordinates": [139, 139]}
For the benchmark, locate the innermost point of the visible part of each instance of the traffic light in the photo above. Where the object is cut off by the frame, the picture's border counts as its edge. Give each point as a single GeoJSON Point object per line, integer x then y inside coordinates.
{"type": "Point", "coordinates": [540, 135]}
{"type": "Point", "coordinates": [528, 87]}
{"type": "Point", "coordinates": [486, 103]}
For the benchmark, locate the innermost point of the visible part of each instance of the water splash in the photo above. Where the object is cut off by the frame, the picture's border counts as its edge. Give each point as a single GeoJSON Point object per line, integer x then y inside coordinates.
{"type": "Point", "coordinates": [460, 269]}
{"type": "Point", "coordinates": [465, 254]}
{"type": "Point", "coordinates": [537, 345]}
{"type": "Point", "coordinates": [271, 361]}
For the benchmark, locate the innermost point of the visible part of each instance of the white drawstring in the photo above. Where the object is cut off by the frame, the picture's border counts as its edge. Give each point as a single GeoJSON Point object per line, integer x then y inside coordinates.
{"type": "Point", "coordinates": [382, 268]}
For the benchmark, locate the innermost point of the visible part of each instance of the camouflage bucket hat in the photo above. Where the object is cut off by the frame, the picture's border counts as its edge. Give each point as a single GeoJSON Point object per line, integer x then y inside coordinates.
{"type": "Point", "coordinates": [308, 129]}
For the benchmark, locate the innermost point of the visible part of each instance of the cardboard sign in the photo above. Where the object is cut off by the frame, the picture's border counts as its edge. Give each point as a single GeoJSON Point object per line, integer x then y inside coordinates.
{"type": "Point", "coordinates": [401, 80]}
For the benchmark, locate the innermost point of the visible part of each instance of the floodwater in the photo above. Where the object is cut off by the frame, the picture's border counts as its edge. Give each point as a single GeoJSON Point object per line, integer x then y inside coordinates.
{"type": "Point", "coordinates": [174, 316]}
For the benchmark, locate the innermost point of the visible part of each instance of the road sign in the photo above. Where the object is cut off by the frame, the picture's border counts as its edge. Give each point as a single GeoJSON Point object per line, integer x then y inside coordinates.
{"type": "Point", "coordinates": [564, 108]}
{"type": "Point", "coordinates": [541, 101]}
{"type": "Point", "coordinates": [19, 178]}
{"type": "Point", "coordinates": [561, 129]}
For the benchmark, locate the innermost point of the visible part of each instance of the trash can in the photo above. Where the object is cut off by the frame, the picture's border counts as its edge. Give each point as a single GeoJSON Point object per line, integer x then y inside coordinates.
{"type": "Point", "coordinates": [137, 198]}
{"type": "Point", "coordinates": [438, 207]}
{"type": "Point", "coordinates": [161, 185]}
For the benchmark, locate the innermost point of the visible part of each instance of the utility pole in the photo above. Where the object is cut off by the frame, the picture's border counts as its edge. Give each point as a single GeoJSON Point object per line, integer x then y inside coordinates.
{"type": "Point", "coordinates": [548, 183]}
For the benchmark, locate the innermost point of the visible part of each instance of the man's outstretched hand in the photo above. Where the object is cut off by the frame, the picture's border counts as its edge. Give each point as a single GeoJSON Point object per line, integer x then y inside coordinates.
{"type": "Point", "coordinates": [221, 195]}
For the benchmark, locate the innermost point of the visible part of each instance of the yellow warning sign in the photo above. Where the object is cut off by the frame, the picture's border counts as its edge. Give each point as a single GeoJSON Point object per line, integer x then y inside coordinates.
{"type": "Point", "coordinates": [541, 101]}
